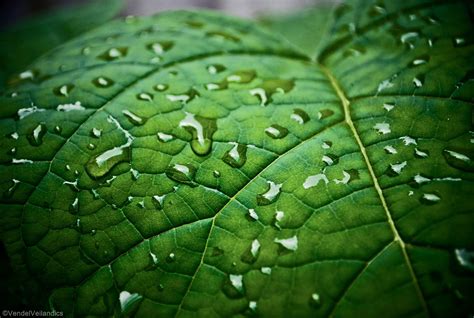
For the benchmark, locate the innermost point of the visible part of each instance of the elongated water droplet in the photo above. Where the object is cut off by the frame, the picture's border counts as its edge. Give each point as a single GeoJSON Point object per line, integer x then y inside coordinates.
{"type": "Point", "coordinates": [129, 301]}
{"type": "Point", "coordinates": [419, 80]}
{"type": "Point", "coordinates": [269, 87]}
{"type": "Point", "coordinates": [103, 82]}
{"type": "Point", "coordinates": [215, 68]}
{"type": "Point", "coordinates": [241, 77]}
{"type": "Point", "coordinates": [276, 131]}
{"type": "Point", "coordinates": [250, 256]}
{"type": "Point", "coordinates": [72, 185]}
{"type": "Point", "coordinates": [74, 207]}
{"type": "Point", "coordinates": [223, 35]}
{"type": "Point", "coordinates": [181, 173]}
{"type": "Point", "coordinates": [395, 169]}
{"type": "Point", "coordinates": [314, 180]}
{"type": "Point", "coordinates": [300, 116]}
{"type": "Point", "coordinates": [236, 156]}
{"type": "Point", "coordinates": [420, 60]}
{"type": "Point", "coordinates": [325, 113]}
{"type": "Point", "coordinates": [279, 215]}
{"type": "Point", "coordinates": [458, 160]}
{"type": "Point", "coordinates": [145, 96]}
{"type": "Point", "coordinates": [430, 198]}
{"type": "Point", "coordinates": [390, 150]}
{"type": "Point", "coordinates": [36, 136]}
{"type": "Point", "coordinates": [24, 112]}
{"type": "Point", "coordinates": [382, 128]}
{"type": "Point", "coordinates": [133, 118]}
{"type": "Point", "coordinates": [96, 133]}
{"type": "Point", "coordinates": [101, 164]}
{"type": "Point", "coordinates": [11, 190]}
{"type": "Point", "coordinates": [70, 107]}
{"type": "Point", "coordinates": [266, 270]}
{"type": "Point", "coordinates": [465, 258]}
{"type": "Point", "coordinates": [185, 97]}
{"type": "Point", "coordinates": [201, 129]}
{"type": "Point", "coordinates": [163, 137]}
{"type": "Point", "coordinates": [271, 195]}
{"type": "Point", "coordinates": [160, 87]}
{"type": "Point", "coordinates": [253, 215]}
{"type": "Point", "coordinates": [330, 159]}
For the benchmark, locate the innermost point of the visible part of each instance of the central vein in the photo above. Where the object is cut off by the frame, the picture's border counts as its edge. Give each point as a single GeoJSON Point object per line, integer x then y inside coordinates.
{"type": "Point", "coordinates": [347, 116]}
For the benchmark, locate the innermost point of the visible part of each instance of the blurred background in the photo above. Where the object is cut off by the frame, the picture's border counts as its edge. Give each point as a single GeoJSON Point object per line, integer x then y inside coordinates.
{"type": "Point", "coordinates": [14, 11]}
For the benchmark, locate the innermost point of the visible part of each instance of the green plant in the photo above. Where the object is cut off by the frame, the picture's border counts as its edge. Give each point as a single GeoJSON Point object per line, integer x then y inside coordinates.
{"type": "Point", "coordinates": [192, 164]}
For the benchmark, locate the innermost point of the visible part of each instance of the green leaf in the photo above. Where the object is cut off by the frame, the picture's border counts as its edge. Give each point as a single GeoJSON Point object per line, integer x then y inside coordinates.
{"type": "Point", "coordinates": [191, 164]}
{"type": "Point", "coordinates": [26, 40]}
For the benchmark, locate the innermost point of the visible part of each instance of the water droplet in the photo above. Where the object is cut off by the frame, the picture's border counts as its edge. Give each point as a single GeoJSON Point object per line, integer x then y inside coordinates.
{"type": "Point", "coordinates": [96, 133]}
{"type": "Point", "coordinates": [215, 68]}
{"type": "Point", "coordinates": [223, 35]}
{"type": "Point", "coordinates": [145, 96]}
{"type": "Point", "coordinates": [70, 107]}
{"type": "Point", "coordinates": [201, 129]}
{"type": "Point", "coordinates": [250, 256]}
{"type": "Point", "coordinates": [421, 154]}
{"type": "Point", "coordinates": [395, 169]}
{"type": "Point", "coordinates": [420, 60]}
{"type": "Point", "coordinates": [63, 90]}
{"type": "Point", "coordinates": [390, 150]}
{"type": "Point", "coordinates": [160, 47]}
{"type": "Point", "coordinates": [382, 128]}
{"type": "Point", "coordinates": [103, 82]}
{"type": "Point", "coordinates": [163, 137]}
{"type": "Point", "coordinates": [253, 306]}
{"type": "Point", "coordinates": [74, 207]}
{"type": "Point", "coordinates": [418, 81]}
{"type": "Point", "coordinates": [430, 198]}
{"type": "Point", "coordinates": [345, 179]}
{"type": "Point", "coordinates": [266, 270]}
{"type": "Point", "coordinates": [242, 76]}
{"type": "Point", "coordinates": [184, 98]}
{"type": "Point", "coordinates": [11, 190]}
{"type": "Point", "coordinates": [160, 87]}
{"type": "Point", "coordinates": [133, 118]}
{"type": "Point", "coordinates": [271, 195]}
{"type": "Point", "coordinates": [113, 53]}
{"type": "Point", "coordinates": [324, 114]}
{"type": "Point", "coordinates": [388, 107]}
{"type": "Point", "coordinates": [236, 156]}
{"type": "Point", "coordinates": [458, 160]}
{"type": "Point", "coordinates": [91, 146]}
{"type": "Point", "coordinates": [315, 300]}
{"type": "Point", "coordinates": [101, 164]}
{"type": "Point", "coordinates": [36, 136]}
{"type": "Point", "coordinates": [14, 135]}
{"type": "Point", "coordinates": [279, 215]}
{"type": "Point", "coordinates": [330, 159]}
{"type": "Point", "coordinates": [314, 180]}
{"type": "Point", "coordinates": [326, 145]}
{"type": "Point", "coordinates": [72, 185]}
{"type": "Point", "coordinates": [460, 42]}
{"type": "Point", "coordinates": [24, 112]}
{"type": "Point", "coordinates": [159, 201]}
{"type": "Point", "coordinates": [408, 38]}
{"type": "Point", "coordinates": [181, 173]}
{"type": "Point", "coordinates": [171, 258]}
{"type": "Point", "coordinates": [28, 75]}
{"type": "Point", "coordinates": [216, 174]}
{"type": "Point", "coordinates": [276, 131]}
{"type": "Point", "coordinates": [407, 140]}
{"type": "Point", "coordinates": [135, 174]}
{"type": "Point", "coordinates": [288, 243]}
{"type": "Point", "coordinates": [129, 301]}
{"type": "Point", "coordinates": [86, 51]}
{"type": "Point", "coordinates": [253, 215]}
{"type": "Point", "coordinates": [269, 87]}
{"type": "Point", "coordinates": [300, 116]}
{"type": "Point", "coordinates": [465, 258]}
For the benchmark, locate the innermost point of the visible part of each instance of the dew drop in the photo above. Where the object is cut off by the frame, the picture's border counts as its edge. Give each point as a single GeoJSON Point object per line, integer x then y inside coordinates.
{"type": "Point", "coordinates": [63, 90]}
{"type": "Point", "coordinates": [160, 87]}
{"type": "Point", "coordinates": [145, 96]}
{"type": "Point", "coordinates": [185, 97]}
{"type": "Point", "coordinates": [324, 114]}
{"type": "Point", "coordinates": [74, 207]}
{"type": "Point", "coordinates": [288, 243]}
{"type": "Point", "coordinates": [72, 185]}
{"type": "Point", "coordinates": [181, 173]}
{"type": "Point", "coordinates": [253, 306]}
{"type": "Point", "coordinates": [215, 68]}
{"type": "Point", "coordinates": [113, 54]}
{"type": "Point", "coordinates": [390, 150]}
{"type": "Point", "coordinates": [421, 154]}
{"type": "Point", "coordinates": [276, 131]}
{"type": "Point", "coordinates": [158, 201]}
{"type": "Point", "coordinates": [430, 198]}
{"type": "Point", "coordinates": [201, 130]}
{"type": "Point", "coordinates": [70, 107]}
{"type": "Point", "coordinates": [236, 156]}
{"type": "Point", "coordinates": [24, 112]}
{"type": "Point", "coordinates": [253, 215]}
{"type": "Point", "coordinates": [266, 270]}
{"type": "Point", "coordinates": [420, 60]}
{"type": "Point", "coordinates": [326, 145]}
{"type": "Point", "coordinates": [91, 146]}
{"type": "Point", "coordinates": [216, 174]}
{"type": "Point", "coordinates": [11, 190]}
{"type": "Point", "coordinates": [36, 136]}
{"type": "Point", "coordinates": [269, 87]}
{"type": "Point", "coordinates": [300, 116]}
{"type": "Point", "coordinates": [223, 35]}
{"type": "Point", "coordinates": [388, 107]}
{"type": "Point", "coordinates": [96, 133]}
{"type": "Point", "coordinates": [129, 301]}
{"type": "Point", "coordinates": [271, 195]}
{"type": "Point", "coordinates": [279, 215]}
{"type": "Point", "coordinates": [160, 47]}
{"type": "Point", "coordinates": [465, 258]}
{"type": "Point", "coordinates": [382, 128]}
{"type": "Point", "coordinates": [418, 81]}
{"type": "Point", "coordinates": [458, 160]}
{"type": "Point", "coordinates": [133, 118]}
{"type": "Point", "coordinates": [171, 258]}
{"type": "Point", "coordinates": [163, 137]}
{"type": "Point", "coordinates": [101, 164]}
{"type": "Point", "coordinates": [330, 159]}
{"type": "Point", "coordinates": [14, 135]}
{"type": "Point", "coordinates": [315, 300]}
{"type": "Point", "coordinates": [314, 180]}
{"type": "Point", "coordinates": [396, 168]}
{"type": "Point", "coordinates": [135, 174]}
{"type": "Point", "coordinates": [103, 82]}
{"type": "Point", "coordinates": [251, 255]}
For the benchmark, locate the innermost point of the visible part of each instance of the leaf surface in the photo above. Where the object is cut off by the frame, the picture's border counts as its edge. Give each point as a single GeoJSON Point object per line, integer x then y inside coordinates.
{"type": "Point", "coordinates": [196, 165]}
